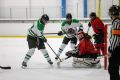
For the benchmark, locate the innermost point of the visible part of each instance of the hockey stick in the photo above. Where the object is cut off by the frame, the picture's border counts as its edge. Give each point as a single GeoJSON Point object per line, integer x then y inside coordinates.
{"type": "Point", "coordinates": [63, 59]}
{"type": "Point", "coordinates": [49, 33]}
{"type": "Point", "coordinates": [48, 45]}
{"type": "Point", "coordinates": [88, 30]}
{"type": "Point", "coordinates": [53, 51]}
{"type": "Point", "coordinates": [5, 67]}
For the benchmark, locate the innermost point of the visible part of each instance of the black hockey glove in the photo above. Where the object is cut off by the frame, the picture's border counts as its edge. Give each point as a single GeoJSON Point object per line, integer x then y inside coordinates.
{"type": "Point", "coordinates": [89, 24]}
{"type": "Point", "coordinates": [44, 39]}
{"type": "Point", "coordinates": [60, 33]}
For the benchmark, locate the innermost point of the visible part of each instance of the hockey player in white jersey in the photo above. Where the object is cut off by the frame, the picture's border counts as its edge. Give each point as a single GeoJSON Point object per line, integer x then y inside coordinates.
{"type": "Point", "coordinates": [69, 27]}
{"type": "Point", "coordinates": [36, 38]}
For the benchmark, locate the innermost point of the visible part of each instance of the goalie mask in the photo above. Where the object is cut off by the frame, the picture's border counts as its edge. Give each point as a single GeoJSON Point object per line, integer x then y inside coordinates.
{"type": "Point", "coordinates": [80, 35]}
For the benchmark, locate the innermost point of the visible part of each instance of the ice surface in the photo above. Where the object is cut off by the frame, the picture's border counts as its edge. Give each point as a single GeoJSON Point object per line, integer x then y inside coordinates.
{"type": "Point", "coordinates": [12, 53]}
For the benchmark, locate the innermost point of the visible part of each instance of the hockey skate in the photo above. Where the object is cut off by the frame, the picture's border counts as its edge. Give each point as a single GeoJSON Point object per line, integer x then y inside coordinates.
{"type": "Point", "coordinates": [50, 62]}
{"type": "Point", "coordinates": [56, 58]}
{"type": "Point", "coordinates": [24, 65]}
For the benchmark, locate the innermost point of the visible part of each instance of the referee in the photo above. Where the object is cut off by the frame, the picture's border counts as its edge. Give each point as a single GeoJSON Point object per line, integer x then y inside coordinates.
{"type": "Point", "coordinates": [114, 47]}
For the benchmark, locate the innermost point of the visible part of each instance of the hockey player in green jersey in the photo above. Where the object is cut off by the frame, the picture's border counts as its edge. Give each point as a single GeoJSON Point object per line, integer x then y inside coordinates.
{"type": "Point", "coordinates": [35, 39]}
{"type": "Point", "coordinates": [69, 27]}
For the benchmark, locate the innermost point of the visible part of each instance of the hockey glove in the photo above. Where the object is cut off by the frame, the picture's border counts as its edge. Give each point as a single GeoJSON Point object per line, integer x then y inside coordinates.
{"type": "Point", "coordinates": [60, 33]}
{"type": "Point", "coordinates": [89, 24]}
{"type": "Point", "coordinates": [44, 39]}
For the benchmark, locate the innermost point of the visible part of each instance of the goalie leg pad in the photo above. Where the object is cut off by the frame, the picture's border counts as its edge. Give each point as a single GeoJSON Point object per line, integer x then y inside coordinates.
{"type": "Point", "coordinates": [86, 63]}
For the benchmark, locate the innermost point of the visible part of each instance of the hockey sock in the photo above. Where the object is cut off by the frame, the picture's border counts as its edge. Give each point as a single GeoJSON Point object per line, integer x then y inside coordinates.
{"type": "Point", "coordinates": [102, 47]}
{"type": "Point", "coordinates": [72, 46]}
{"type": "Point", "coordinates": [46, 55]}
{"type": "Point", "coordinates": [29, 54]}
{"type": "Point", "coordinates": [97, 46]}
{"type": "Point", "coordinates": [61, 48]}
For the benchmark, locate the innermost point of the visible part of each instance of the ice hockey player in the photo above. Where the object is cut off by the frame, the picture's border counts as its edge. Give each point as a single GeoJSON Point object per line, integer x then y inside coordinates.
{"type": "Point", "coordinates": [36, 38]}
{"type": "Point", "coordinates": [85, 49]}
{"type": "Point", "coordinates": [98, 28]}
{"type": "Point", "coordinates": [69, 27]}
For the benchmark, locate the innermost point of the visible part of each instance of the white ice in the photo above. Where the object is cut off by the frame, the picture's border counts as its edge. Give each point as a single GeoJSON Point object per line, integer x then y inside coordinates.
{"type": "Point", "coordinates": [12, 53]}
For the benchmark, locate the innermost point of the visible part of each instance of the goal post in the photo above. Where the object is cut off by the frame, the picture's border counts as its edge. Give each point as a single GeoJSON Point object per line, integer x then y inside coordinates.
{"type": "Point", "coordinates": [107, 28]}
{"type": "Point", "coordinates": [105, 47]}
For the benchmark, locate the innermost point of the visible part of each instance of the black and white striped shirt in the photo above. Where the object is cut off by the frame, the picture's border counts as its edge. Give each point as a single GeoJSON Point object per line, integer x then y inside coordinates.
{"type": "Point", "coordinates": [114, 40]}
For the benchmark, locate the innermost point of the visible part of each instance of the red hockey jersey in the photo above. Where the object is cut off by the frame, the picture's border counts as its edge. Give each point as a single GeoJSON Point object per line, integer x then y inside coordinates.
{"type": "Point", "coordinates": [97, 25]}
{"type": "Point", "coordinates": [86, 47]}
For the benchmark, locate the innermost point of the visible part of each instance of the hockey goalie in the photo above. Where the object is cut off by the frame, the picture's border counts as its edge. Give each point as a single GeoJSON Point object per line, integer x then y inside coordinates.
{"type": "Point", "coordinates": [84, 54]}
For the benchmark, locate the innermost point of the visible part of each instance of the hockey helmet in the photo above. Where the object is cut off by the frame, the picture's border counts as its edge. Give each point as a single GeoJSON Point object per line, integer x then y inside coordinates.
{"type": "Point", "coordinates": [92, 14]}
{"type": "Point", "coordinates": [68, 15]}
{"type": "Point", "coordinates": [45, 17]}
{"type": "Point", "coordinates": [114, 10]}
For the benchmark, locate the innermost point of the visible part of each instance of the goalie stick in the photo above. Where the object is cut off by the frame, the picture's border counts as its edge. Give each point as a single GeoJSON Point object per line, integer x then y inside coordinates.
{"type": "Point", "coordinates": [58, 63]}
{"type": "Point", "coordinates": [8, 67]}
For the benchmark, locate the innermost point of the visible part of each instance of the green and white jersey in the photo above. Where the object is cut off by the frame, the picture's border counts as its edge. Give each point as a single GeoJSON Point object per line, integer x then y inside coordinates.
{"type": "Point", "coordinates": [76, 25]}
{"type": "Point", "coordinates": [36, 29]}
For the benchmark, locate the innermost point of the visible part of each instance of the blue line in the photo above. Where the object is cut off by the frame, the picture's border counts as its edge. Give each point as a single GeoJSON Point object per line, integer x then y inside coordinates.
{"type": "Point", "coordinates": [85, 8]}
{"type": "Point", "coordinates": [63, 8]}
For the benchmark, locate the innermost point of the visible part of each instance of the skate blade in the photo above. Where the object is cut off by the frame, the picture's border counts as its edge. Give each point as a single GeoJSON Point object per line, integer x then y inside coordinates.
{"type": "Point", "coordinates": [23, 67]}
{"type": "Point", "coordinates": [51, 65]}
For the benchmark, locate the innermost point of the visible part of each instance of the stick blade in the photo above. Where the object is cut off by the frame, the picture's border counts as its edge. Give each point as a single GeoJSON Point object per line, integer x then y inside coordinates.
{"type": "Point", "coordinates": [58, 63]}
{"type": "Point", "coordinates": [8, 67]}
{"type": "Point", "coordinates": [62, 59]}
